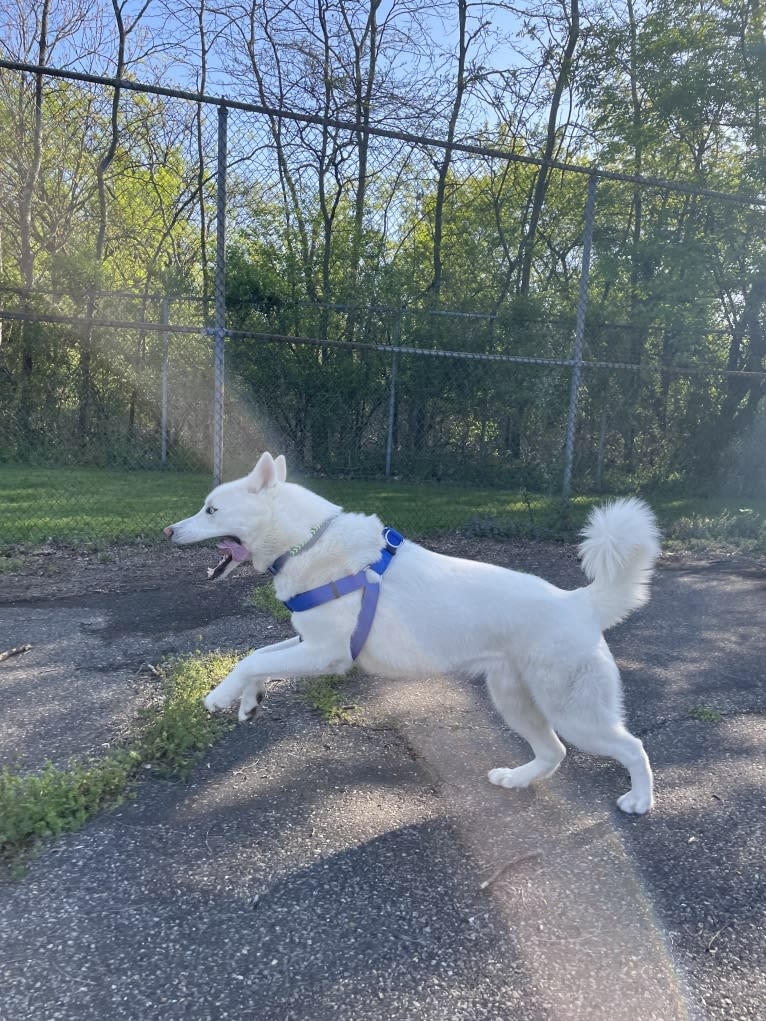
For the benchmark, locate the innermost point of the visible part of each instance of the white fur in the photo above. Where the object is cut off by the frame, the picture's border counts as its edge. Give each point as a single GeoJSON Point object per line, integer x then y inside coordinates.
{"type": "Point", "coordinates": [540, 648]}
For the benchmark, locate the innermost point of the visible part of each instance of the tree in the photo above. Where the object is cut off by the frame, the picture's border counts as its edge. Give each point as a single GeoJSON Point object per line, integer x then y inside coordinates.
{"type": "Point", "coordinates": [554, 136]}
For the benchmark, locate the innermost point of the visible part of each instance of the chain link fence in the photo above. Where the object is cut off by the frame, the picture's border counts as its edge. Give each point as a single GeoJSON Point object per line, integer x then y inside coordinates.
{"type": "Point", "coordinates": [235, 278]}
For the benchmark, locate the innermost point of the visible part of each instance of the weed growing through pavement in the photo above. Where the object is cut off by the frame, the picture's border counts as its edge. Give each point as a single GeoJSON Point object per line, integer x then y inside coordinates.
{"type": "Point", "coordinates": [705, 715]}
{"type": "Point", "coordinates": [170, 740]}
{"type": "Point", "coordinates": [174, 739]}
{"type": "Point", "coordinates": [45, 804]}
{"type": "Point", "coordinates": [323, 694]}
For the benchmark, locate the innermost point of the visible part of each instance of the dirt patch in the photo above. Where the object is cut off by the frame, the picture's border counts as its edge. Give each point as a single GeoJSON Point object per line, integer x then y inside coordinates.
{"type": "Point", "coordinates": [52, 572]}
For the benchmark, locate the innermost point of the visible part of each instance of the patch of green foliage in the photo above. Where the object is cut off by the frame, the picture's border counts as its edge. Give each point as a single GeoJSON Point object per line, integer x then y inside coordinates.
{"type": "Point", "coordinates": [262, 598]}
{"type": "Point", "coordinates": [175, 738]}
{"type": "Point", "coordinates": [705, 715]}
{"type": "Point", "coordinates": [56, 800]}
{"type": "Point", "coordinates": [741, 528]}
{"type": "Point", "coordinates": [324, 694]}
{"type": "Point", "coordinates": [10, 565]}
{"type": "Point", "coordinates": [432, 509]}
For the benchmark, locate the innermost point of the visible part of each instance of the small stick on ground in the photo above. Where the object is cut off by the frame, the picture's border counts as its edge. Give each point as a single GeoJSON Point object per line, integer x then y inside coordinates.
{"type": "Point", "coordinates": [715, 937]}
{"type": "Point", "coordinates": [14, 652]}
{"type": "Point", "coordinates": [534, 856]}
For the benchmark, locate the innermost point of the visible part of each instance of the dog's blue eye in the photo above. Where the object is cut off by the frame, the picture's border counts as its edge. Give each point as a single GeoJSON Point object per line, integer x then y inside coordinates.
{"type": "Point", "coordinates": [210, 510]}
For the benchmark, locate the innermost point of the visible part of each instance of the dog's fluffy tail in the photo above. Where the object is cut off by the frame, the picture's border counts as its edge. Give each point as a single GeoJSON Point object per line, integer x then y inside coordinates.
{"type": "Point", "coordinates": [620, 544]}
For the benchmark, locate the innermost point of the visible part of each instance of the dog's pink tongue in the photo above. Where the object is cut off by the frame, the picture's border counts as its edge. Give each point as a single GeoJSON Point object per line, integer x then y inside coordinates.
{"type": "Point", "coordinates": [237, 552]}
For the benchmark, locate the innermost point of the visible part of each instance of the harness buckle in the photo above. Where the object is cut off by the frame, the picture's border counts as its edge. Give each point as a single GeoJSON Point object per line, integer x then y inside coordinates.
{"type": "Point", "coordinates": [392, 539]}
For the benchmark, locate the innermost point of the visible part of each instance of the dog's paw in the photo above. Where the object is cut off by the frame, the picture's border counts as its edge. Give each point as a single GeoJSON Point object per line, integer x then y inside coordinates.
{"type": "Point", "coordinates": [213, 705]}
{"type": "Point", "coordinates": [518, 777]}
{"type": "Point", "coordinates": [248, 707]}
{"type": "Point", "coordinates": [635, 803]}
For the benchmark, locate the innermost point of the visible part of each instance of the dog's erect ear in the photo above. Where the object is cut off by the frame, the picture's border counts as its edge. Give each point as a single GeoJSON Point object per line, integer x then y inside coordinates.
{"type": "Point", "coordinates": [266, 473]}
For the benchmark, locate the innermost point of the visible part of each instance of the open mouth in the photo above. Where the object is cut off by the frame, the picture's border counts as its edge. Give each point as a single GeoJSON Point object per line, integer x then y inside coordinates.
{"type": "Point", "coordinates": [233, 554]}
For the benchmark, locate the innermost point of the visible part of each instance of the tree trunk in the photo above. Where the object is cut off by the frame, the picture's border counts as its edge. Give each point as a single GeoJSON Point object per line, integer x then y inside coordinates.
{"type": "Point", "coordinates": [743, 393]}
{"type": "Point", "coordinates": [86, 347]}
{"type": "Point", "coordinates": [27, 330]}
{"type": "Point", "coordinates": [541, 185]}
{"type": "Point", "coordinates": [441, 187]}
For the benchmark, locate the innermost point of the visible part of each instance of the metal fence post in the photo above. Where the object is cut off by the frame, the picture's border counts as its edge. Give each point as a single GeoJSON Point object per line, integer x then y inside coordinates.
{"type": "Point", "coordinates": [601, 449]}
{"type": "Point", "coordinates": [582, 304]}
{"type": "Point", "coordinates": [396, 334]}
{"type": "Point", "coordinates": [220, 295]}
{"type": "Point", "coordinates": [165, 370]}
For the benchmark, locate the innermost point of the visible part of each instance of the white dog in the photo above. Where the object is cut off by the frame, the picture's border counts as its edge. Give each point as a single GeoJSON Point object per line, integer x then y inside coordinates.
{"type": "Point", "coordinates": [417, 613]}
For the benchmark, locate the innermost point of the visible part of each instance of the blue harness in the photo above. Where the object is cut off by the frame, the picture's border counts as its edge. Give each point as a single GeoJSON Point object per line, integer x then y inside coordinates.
{"type": "Point", "coordinates": [343, 586]}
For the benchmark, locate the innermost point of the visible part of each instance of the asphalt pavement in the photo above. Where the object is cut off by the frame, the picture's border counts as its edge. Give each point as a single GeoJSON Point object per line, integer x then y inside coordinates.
{"type": "Point", "coordinates": [368, 871]}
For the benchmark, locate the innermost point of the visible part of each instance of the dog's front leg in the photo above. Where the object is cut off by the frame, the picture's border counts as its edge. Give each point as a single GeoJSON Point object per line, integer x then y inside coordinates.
{"type": "Point", "coordinates": [234, 684]}
{"type": "Point", "coordinates": [292, 658]}
{"type": "Point", "coordinates": [255, 690]}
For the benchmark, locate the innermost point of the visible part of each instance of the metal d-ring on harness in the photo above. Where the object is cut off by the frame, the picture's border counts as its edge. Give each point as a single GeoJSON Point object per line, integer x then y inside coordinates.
{"type": "Point", "coordinates": [351, 583]}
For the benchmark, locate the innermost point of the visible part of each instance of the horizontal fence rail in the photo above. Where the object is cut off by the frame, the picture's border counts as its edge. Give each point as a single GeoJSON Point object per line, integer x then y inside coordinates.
{"type": "Point", "coordinates": [127, 84]}
{"type": "Point", "coordinates": [149, 326]}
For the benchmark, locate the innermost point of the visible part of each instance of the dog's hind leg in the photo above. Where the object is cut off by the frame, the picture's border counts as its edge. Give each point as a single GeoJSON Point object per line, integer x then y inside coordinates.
{"type": "Point", "coordinates": [515, 705]}
{"type": "Point", "coordinates": [591, 718]}
{"type": "Point", "coordinates": [617, 743]}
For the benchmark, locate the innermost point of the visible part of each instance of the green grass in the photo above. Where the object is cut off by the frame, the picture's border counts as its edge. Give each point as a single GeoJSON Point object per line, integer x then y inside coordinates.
{"type": "Point", "coordinates": [97, 508]}
{"type": "Point", "coordinates": [175, 738]}
{"type": "Point", "coordinates": [262, 598]}
{"type": "Point", "coordinates": [714, 523]}
{"type": "Point", "coordinates": [54, 801]}
{"type": "Point", "coordinates": [10, 565]}
{"type": "Point", "coordinates": [93, 505]}
{"type": "Point", "coordinates": [433, 508]}
{"type": "Point", "coordinates": [324, 694]}
{"type": "Point", "coordinates": [35, 807]}
{"type": "Point", "coordinates": [705, 715]}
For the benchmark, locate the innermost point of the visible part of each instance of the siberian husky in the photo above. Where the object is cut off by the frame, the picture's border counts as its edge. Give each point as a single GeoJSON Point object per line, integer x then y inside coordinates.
{"type": "Point", "coordinates": [404, 611]}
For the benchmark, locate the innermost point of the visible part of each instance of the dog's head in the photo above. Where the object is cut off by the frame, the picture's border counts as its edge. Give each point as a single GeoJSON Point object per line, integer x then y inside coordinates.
{"type": "Point", "coordinates": [238, 513]}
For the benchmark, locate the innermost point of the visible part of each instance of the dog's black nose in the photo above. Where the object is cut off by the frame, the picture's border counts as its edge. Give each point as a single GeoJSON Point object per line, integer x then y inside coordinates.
{"type": "Point", "coordinates": [168, 531]}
